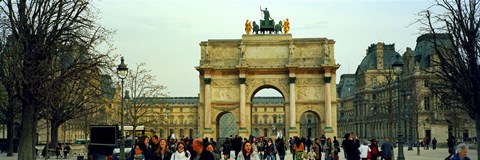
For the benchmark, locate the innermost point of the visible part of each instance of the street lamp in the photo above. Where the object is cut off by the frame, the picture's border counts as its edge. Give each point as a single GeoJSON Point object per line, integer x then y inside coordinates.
{"type": "Point", "coordinates": [410, 112]}
{"type": "Point", "coordinates": [397, 66]}
{"type": "Point", "coordinates": [122, 72]}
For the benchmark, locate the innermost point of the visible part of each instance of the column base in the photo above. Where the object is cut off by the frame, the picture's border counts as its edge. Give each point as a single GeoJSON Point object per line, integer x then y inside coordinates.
{"type": "Point", "coordinates": [207, 130]}
{"type": "Point", "coordinates": [243, 132]}
{"type": "Point", "coordinates": [292, 132]}
{"type": "Point", "coordinates": [328, 130]}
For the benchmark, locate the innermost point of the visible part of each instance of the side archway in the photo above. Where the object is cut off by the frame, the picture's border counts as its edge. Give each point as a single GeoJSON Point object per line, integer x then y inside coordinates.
{"type": "Point", "coordinates": [310, 125]}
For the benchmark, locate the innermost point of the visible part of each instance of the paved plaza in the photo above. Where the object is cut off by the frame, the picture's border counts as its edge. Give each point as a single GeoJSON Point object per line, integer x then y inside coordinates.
{"type": "Point", "coordinates": [438, 154]}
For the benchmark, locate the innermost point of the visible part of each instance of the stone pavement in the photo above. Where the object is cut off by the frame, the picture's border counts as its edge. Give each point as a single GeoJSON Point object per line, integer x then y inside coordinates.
{"type": "Point", "coordinates": [438, 154]}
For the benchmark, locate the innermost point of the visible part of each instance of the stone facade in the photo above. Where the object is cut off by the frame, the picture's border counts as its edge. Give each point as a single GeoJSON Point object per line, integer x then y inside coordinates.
{"type": "Point", "coordinates": [233, 71]}
{"type": "Point", "coordinates": [371, 110]}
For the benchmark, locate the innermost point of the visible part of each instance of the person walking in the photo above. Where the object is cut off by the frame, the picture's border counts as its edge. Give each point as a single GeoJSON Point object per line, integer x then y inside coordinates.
{"type": "Point", "coordinates": [200, 152]}
{"type": "Point", "coordinates": [317, 148]}
{"type": "Point", "coordinates": [374, 149]}
{"type": "Point", "coordinates": [428, 142]}
{"type": "Point", "coordinates": [181, 153]}
{"type": "Point", "coordinates": [461, 154]}
{"type": "Point", "coordinates": [163, 152]}
{"type": "Point", "coordinates": [298, 147]}
{"type": "Point", "coordinates": [66, 150]}
{"type": "Point", "coordinates": [387, 150]}
{"type": "Point", "coordinates": [269, 150]}
{"type": "Point", "coordinates": [291, 142]}
{"type": "Point", "coordinates": [57, 150]}
{"type": "Point", "coordinates": [327, 148]}
{"type": "Point", "coordinates": [226, 148]}
{"type": "Point", "coordinates": [247, 152]}
{"type": "Point", "coordinates": [364, 151]}
{"type": "Point", "coordinates": [434, 143]}
{"type": "Point", "coordinates": [140, 148]}
{"type": "Point", "coordinates": [211, 149]}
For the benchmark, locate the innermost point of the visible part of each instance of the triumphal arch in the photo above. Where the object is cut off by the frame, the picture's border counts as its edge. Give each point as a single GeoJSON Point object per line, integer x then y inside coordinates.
{"type": "Point", "coordinates": [302, 70]}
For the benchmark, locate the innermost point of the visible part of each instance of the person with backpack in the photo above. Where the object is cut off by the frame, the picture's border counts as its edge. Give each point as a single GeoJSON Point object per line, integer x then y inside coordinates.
{"type": "Point", "coordinates": [374, 149]}
{"type": "Point", "coordinates": [226, 149]}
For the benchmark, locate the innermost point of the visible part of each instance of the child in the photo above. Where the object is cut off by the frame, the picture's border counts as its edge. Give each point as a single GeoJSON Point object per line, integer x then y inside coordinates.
{"type": "Point", "coordinates": [311, 154]}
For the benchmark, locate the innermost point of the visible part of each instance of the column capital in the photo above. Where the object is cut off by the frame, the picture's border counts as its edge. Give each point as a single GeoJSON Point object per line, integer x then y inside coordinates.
{"type": "Point", "coordinates": [242, 80]}
{"type": "Point", "coordinates": [207, 81]}
{"type": "Point", "coordinates": [292, 79]}
{"type": "Point", "coordinates": [327, 79]}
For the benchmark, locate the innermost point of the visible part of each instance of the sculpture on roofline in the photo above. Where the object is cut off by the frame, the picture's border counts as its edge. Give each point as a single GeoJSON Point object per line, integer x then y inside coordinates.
{"type": "Point", "coordinates": [286, 26]}
{"type": "Point", "coordinates": [248, 27]}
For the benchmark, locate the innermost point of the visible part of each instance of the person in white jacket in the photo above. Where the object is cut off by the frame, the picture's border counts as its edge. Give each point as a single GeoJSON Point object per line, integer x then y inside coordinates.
{"type": "Point", "coordinates": [364, 149]}
{"type": "Point", "coordinates": [247, 152]}
{"type": "Point", "coordinates": [181, 153]}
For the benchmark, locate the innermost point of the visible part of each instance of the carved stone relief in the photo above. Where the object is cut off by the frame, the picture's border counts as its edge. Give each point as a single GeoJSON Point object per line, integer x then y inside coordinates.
{"type": "Point", "coordinates": [224, 94]}
{"type": "Point", "coordinates": [308, 93]}
{"type": "Point", "coordinates": [224, 82]}
{"type": "Point", "coordinates": [308, 82]}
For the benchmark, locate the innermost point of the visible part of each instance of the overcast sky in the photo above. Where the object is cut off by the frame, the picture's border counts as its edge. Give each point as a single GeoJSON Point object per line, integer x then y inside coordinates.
{"type": "Point", "coordinates": [165, 34]}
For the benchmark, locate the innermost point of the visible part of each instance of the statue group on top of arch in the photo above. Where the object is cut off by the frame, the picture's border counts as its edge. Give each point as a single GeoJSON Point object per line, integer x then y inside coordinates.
{"type": "Point", "coordinates": [267, 25]}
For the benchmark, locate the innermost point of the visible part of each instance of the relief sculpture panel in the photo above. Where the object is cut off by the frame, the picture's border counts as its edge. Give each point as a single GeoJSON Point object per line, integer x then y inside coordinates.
{"type": "Point", "coordinates": [225, 94]}
{"type": "Point", "coordinates": [308, 81]}
{"type": "Point", "coordinates": [308, 93]}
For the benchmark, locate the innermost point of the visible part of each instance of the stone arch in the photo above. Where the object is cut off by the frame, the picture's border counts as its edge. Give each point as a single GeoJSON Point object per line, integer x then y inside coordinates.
{"type": "Point", "coordinates": [255, 85]}
{"type": "Point", "coordinates": [231, 72]}
{"type": "Point", "coordinates": [269, 117]}
{"type": "Point", "coordinates": [227, 124]}
{"type": "Point", "coordinates": [310, 124]}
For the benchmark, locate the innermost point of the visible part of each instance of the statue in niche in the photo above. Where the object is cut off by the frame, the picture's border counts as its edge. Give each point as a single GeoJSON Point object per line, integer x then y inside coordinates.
{"type": "Point", "coordinates": [326, 51]}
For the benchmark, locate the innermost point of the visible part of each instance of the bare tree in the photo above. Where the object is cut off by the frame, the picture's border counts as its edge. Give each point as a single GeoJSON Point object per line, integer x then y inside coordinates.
{"type": "Point", "coordinates": [79, 95]}
{"type": "Point", "coordinates": [8, 75]}
{"type": "Point", "coordinates": [458, 65]}
{"type": "Point", "coordinates": [416, 114]}
{"type": "Point", "coordinates": [9, 115]}
{"type": "Point", "coordinates": [144, 92]}
{"type": "Point", "coordinates": [42, 33]}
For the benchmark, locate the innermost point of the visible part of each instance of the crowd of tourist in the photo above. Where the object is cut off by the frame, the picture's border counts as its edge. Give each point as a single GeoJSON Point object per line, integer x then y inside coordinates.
{"type": "Point", "coordinates": [268, 148]}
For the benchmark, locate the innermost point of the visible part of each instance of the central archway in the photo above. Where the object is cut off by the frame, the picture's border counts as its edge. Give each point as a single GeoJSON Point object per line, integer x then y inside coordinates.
{"type": "Point", "coordinates": [227, 125]}
{"type": "Point", "coordinates": [268, 112]}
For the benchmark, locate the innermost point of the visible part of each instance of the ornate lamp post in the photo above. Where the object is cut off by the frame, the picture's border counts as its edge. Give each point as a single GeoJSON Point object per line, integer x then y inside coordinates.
{"type": "Point", "coordinates": [122, 72]}
{"type": "Point", "coordinates": [397, 66]}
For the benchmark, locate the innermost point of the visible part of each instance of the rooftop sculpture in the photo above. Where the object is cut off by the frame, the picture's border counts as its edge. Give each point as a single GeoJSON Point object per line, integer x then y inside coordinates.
{"type": "Point", "coordinates": [267, 25]}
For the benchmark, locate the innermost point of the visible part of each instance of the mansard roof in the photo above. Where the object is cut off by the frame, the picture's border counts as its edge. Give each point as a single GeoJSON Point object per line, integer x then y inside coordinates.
{"type": "Point", "coordinates": [425, 48]}
{"type": "Point", "coordinates": [173, 100]}
{"type": "Point", "coordinates": [370, 61]}
{"type": "Point", "coordinates": [346, 86]}
{"type": "Point", "coordinates": [268, 100]}
{"type": "Point", "coordinates": [194, 100]}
